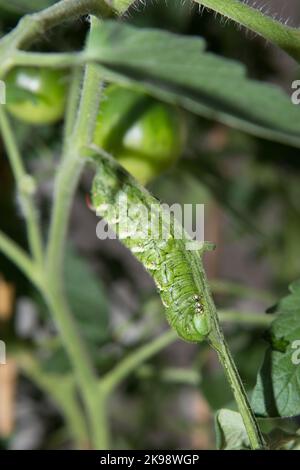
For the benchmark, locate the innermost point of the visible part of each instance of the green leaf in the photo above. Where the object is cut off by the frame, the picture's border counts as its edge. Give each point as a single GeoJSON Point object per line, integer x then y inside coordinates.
{"type": "Point", "coordinates": [230, 431]}
{"type": "Point", "coordinates": [177, 69]}
{"type": "Point", "coordinates": [277, 390]}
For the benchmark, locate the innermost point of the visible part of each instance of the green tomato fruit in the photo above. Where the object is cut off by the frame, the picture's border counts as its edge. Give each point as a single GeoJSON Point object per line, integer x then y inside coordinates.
{"type": "Point", "coordinates": [146, 136]}
{"type": "Point", "coordinates": [36, 95]}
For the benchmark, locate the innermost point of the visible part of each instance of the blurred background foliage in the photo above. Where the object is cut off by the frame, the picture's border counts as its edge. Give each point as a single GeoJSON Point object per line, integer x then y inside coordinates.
{"type": "Point", "coordinates": [251, 191]}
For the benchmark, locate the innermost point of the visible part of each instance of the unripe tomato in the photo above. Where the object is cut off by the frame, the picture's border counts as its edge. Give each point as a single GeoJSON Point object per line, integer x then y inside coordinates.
{"type": "Point", "coordinates": [146, 136]}
{"type": "Point", "coordinates": [36, 95]}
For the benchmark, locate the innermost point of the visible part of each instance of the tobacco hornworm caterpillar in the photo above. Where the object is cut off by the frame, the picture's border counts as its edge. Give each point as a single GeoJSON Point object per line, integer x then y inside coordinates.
{"type": "Point", "coordinates": [177, 272]}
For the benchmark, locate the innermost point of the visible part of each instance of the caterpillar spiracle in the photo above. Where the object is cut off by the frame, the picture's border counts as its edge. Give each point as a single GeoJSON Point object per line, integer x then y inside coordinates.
{"type": "Point", "coordinates": [177, 272]}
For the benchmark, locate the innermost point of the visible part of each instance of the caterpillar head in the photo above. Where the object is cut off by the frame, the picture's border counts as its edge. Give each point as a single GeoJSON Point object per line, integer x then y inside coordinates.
{"type": "Point", "coordinates": [200, 320]}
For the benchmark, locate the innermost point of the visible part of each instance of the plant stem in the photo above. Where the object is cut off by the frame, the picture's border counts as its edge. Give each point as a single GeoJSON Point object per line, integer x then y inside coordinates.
{"type": "Point", "coordinates": [69, 334]}
{"type": "Point", "coordinates": [36, 24]}
{"type": "Point", "coordinates": [72, 163]}
{"type": "Point", "coordinates": [79, 357]}
{"type": "Point", "coordinates": [71, 168]}
{"type": "Point", "coordinates": [26, 189]}
{"type": "Point", "coordinates": [219, 286]}
{"type": "Point", "coordinates": [245, 318]}
{"type": "Point", "coordinates": [100, 428]}
{"type": "Point", "coordinates": [72, 106]}
{"type": "Point", "coordinates": [218, 342]}
{"type": "Point", "coordinates": [172, 375]}
{"type": "Point", "coordinates": [65, 185]}
{"type": "Point", "coordinates": [51, 60]}
{"type": "Point", "coordinates": [255, 436]}
{"type": "Point", "coordinates": [283, 36]}
{"type": "Point", "coordinates": [254, 433]}
{"type": "Point", "coordinates": [113, 378]}
{"type": "Point", "coordinates": [13, 252]}
{"type": "Point", "coordinates": [61, 389]}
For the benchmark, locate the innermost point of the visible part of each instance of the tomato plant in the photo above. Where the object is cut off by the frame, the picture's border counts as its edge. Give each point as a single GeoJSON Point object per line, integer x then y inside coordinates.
{"type": "Point", "coordinates": [84, 315]}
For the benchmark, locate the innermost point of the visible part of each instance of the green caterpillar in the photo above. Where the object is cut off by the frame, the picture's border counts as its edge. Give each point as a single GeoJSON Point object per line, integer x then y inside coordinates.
{"type": "Point", "coordinates": [177, 272]}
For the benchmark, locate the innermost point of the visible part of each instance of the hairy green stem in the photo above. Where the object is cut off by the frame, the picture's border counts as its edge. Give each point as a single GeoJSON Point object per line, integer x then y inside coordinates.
{"type": "Point", "coordinates": [285, 37]}
{"type": "Point", "coordinates": [34, 25]}
{"type": "Point", "coordinates": [101, 427]}
{"type": "Point", "coordinates": [26, 189]}
{"type": "Point", "coordinates": [72, 106]}
{"type": "Point", "coordinates": [13, 252]}
{"type": "Point", "coordinates": [84, 372]}
{"type": "Point", "coordinates": [51, 60]}
{"type": "Point", "coordinates": [71, 168]}
{"type": "Point", "coordinates": [254, 433]}
{"type": "Point", "coordinates": [219, 344]}
{"type": "Point", "coordinates": [65, 185]}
